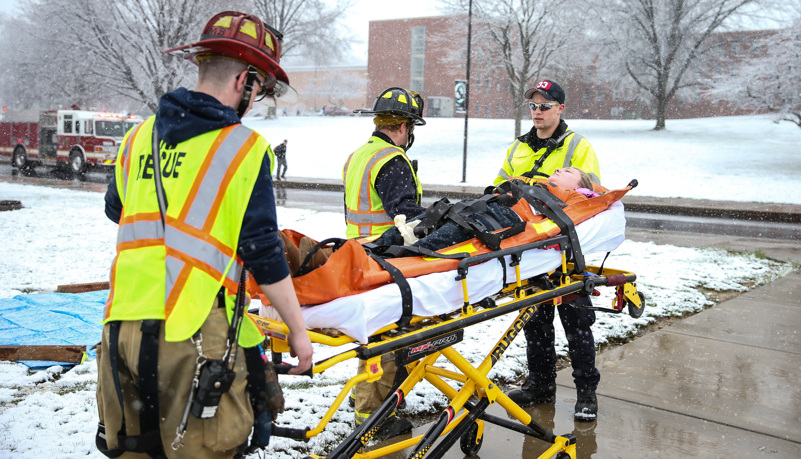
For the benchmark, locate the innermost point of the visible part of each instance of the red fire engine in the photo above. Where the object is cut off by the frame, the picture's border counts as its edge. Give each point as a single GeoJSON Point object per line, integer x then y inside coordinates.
{"type": "Point", "coordinates": [77, 139]}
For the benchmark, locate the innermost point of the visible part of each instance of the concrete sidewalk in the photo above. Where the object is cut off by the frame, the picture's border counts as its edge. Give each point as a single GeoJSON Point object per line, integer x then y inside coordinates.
{"type": "Point", "coordinates": [722, 383]}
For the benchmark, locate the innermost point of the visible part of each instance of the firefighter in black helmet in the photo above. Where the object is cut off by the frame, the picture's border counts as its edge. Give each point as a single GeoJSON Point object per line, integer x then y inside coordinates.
{"type": "Point", "coordinates": [380, 182]}
{"type": "Point", "coordinates": [382, 188]}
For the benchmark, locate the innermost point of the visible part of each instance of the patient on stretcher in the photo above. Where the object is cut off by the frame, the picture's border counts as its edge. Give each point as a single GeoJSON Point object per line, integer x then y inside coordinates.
{"type": "Point", "coordinates": [570, 184]}
{"type": "Point", "coordinates": [336, 268]}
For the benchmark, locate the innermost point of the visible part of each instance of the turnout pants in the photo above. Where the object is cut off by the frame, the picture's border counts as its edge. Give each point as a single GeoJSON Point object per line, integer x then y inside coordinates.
{"type": "Point", "coordinates": [541, 353]}
{"type": "Point", "coordinates": [369, 396]}
{"type": "Point", "coordinates": [213, 438]}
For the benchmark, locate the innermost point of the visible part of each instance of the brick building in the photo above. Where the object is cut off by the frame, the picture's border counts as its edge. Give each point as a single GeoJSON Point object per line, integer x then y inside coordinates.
{"type": "Point", "coordinates": [428, 55]}
{"type": "Point", "coordinates": [326, 87]}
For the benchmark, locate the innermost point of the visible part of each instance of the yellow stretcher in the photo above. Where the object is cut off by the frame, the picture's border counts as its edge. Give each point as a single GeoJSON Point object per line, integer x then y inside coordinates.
{"type": "Point", "coordinates": [421, 344]}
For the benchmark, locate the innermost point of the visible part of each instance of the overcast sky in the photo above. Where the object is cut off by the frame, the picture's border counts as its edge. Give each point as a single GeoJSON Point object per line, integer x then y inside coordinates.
{"type": "Point", "coordinates": [8, 7]}
{"type": "Point", "coordinates": [363, 11]}
{"type": "Point", "coordinates": [358, 18]}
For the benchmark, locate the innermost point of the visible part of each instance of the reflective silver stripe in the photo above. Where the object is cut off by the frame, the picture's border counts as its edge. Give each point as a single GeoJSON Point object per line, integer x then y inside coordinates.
{"type": "Point", "coordinates": [502, 173]}
{"type": "Point", "coordinates": [365, 215]}
{"type": "Point", "coordinates": [135, 231]}
{"type": "Point", "coordinates": [364, 192]}
{"type": "Point", "coordinates": [345, 169]}
{"type": "Point", "coordinates": [127, 154]}
{"type": "Point", "coordinates": [199, 250]}
{"type": "Point", "coordinates": [595, 178]}
{"type": "Point", "coordinates": [199, 210]}
{"type": "Point", "coordinates": [209, 187]}
{"type": "Point", "coordinates": [363, 219]}
{"type": "Point", "coordinates": [174, 267]}
{"type": "Point", "coordinates": [571, 149]}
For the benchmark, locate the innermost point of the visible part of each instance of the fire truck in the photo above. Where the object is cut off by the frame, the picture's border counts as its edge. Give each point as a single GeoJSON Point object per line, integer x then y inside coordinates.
{"type": "Point", "coordinates": [76, 140]}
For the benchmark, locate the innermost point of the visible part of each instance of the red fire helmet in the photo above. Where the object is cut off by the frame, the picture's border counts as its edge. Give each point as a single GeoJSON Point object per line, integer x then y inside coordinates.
{"type": "Point", "coordinates": [243, 37]}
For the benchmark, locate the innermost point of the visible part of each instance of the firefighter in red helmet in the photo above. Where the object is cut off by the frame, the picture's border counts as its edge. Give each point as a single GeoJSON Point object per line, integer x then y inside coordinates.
{"type": "Point", "coordinates": [180, 373]}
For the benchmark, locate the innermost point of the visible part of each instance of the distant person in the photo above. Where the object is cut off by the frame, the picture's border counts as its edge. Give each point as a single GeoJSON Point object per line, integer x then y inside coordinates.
{"type": "Point", "coordinates": [547, 146]}
{"type": "Point", "coordinates": [380, 183]}
{"type": "Point", "coordinates": [188, 228]}
{"type": "Point", "coordinates": [280, 156]}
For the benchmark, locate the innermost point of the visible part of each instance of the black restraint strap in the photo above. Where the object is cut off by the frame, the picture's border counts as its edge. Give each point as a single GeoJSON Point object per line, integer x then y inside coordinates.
{"type": "Point", "coordinates": [257, 384]}
{"type": "Point", "coordinates": [550, 146]}
{"type": "Point", "coordinates": [551, 207]}
{"type": "Point", "coordinates": [150, 436]}
{"type": "Point", "coordinates": [399, 251]}
{"type": "Point", "coordinates": [464, 214]}
{"type": "Point", "coordinates": [149, 439]}
{"type": "Point", "coordinates": [432, 218]}
{"type": "Point", "coordinates": [403, 285]}
{"type": "Point", "coordinates": [303, 268]}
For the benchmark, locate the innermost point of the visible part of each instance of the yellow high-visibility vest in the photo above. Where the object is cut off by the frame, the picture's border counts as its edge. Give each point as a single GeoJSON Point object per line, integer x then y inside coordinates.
{"type": "Point", "coordinates": [173, 271]}
{"type": "Point", "coordinates": [364, 211]}
{"type": "Point", "coordinates": [575, 151]}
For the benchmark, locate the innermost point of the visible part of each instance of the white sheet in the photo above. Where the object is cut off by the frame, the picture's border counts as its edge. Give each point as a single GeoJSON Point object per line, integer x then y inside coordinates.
{"type": "Point", "coordinates": [361, 315]}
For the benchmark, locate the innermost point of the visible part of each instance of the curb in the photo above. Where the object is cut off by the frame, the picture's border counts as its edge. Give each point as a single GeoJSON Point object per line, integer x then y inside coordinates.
{"type": "Point", "coordinates": [736, 210]}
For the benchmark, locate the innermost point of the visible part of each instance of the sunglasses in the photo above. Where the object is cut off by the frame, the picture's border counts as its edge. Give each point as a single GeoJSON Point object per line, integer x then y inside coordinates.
{"type": "Point", "coordinates": [263, 91]}
{"type": "Point", "coordinates": [542, 107]}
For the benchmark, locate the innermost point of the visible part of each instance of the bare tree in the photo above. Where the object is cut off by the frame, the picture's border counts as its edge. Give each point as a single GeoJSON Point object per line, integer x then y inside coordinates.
{"type": "Point", "coordinates": [310, 27]}
{"type": "Point", "coordinates": [108, 53]}
{"type": "Point", "coordinates": [769, 78]}
{"type": "Point", "coordinates": [521, 36]}
{"type": "Point", "coordinates": [661, 44]}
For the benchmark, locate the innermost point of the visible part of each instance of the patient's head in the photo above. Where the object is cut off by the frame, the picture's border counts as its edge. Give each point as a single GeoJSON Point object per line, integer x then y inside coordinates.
{"type": "Point", "coordinates": [571, 178]}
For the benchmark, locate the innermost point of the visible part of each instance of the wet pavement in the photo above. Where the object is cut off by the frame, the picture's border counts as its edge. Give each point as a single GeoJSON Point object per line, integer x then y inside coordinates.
{"type": "Point", "coordinates": [721, 383]}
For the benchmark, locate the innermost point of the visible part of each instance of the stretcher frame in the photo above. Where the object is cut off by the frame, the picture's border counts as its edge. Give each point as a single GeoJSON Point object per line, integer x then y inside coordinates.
{"type": "Point", "coordinates": [425, 339]}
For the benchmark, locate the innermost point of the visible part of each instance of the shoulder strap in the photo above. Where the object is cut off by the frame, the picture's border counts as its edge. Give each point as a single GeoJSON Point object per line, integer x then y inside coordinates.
{"type": "Point", "coordinates": [403, 285]}
{"type": "Point", "coordinates": [160, 194]}
{"type": "Point", "coordinates": [551, 146]}
{"type": "Point", "coordinates": [551, 206]}
{"type": "Point", "coordinates": [149, 439]}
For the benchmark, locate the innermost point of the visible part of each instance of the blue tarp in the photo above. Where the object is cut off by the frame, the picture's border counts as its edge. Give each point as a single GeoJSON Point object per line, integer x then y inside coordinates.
{"type": "Point", "coordinates": [53, 319]}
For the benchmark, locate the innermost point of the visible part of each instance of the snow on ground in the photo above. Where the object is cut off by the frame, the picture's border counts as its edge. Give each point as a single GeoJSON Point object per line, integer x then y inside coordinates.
{"type": "Point", "coordinates": [743, 158]}
{"type": "Point", "coordinates": [53, 413]}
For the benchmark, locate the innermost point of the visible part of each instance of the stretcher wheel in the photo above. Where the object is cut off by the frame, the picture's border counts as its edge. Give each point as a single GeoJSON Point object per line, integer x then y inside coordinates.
{"type": "Point", "coordinates": [562, 455]}
{"type": "Point", "coordinates": [468, 443]}
{"type": "Point", "coordinates": [634, 311]}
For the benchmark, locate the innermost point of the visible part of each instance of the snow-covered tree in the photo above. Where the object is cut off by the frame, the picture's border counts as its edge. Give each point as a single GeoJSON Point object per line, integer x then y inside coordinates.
{"type": "Point", "coordinates": [108, 53]}
{"type": "Point", "coordinates": [662, 44]}
{"type": "Point", "coordinates": [524, 37]}
{"type": "Point", "coordinates": [770, 77]}
{"type": "Point", "coordinates": [310, 27]}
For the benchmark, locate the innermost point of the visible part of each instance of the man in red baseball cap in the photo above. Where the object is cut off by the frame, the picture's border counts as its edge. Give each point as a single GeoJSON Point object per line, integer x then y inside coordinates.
{"type": "Point", "coordinates": [180, 372]}
{"type": "Point", "coordinates": [548, 146]}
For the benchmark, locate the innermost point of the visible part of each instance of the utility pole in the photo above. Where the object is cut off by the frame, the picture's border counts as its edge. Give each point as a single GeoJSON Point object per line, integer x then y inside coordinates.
{"type": "Point", "coordinates": [467, 90]}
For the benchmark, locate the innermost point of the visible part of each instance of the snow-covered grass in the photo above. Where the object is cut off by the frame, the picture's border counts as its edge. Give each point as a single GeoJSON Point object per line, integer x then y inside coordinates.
{"type": "Point", "coordinates": [53, 413]}
{"type": "Point", "coordinates": [743, 158]}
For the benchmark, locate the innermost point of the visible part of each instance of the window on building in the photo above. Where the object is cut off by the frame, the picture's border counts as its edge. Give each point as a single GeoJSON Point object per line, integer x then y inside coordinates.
{"type": "Point", "coordinates": [586, 100]}
{"type": "Point", "coordinates": [486, 110]}
{"type": "Point", "coordinates": [500, 84]}
{"type": "Point", "coordinates": [478, 109]}
{"type": "Point", "coordinates": [497, 110]}
{"type": "Point", "coordinates": [478, 83]}
{"type": "Point", "coordinates": [506, 111]}
{"type": "Point", "coordinates": [599, 96]}
{"type": "Point", "coordinates": [418, 59]}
